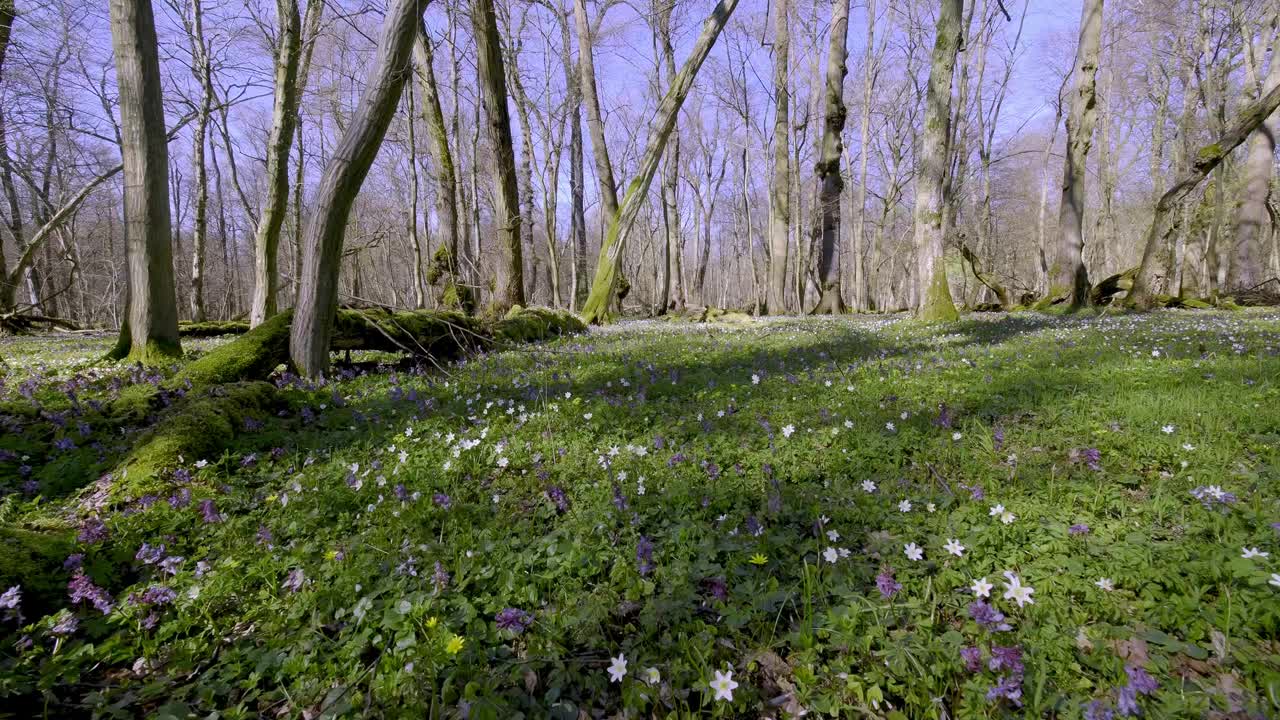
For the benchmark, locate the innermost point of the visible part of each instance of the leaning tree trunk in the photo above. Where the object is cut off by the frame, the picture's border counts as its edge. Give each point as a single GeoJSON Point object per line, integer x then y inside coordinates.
{"type": "Point", "coordinates": [933, 298]}
{"type": "Point", "coordinates": [1208, 158]}
{"type": "Point", "coordinates": [284, 121]}
{"type": "Point", "coordinates": [780, 189]}
{"type": "Point", "coordinates": [312, 325]}
{"type": "Point", "coordinates": [1252, 217]}
{"type": "Point", "coordinates": [830, 180]}
{"type": "Point", "coordinates": [152, 310]}
{"type": "Point", "coordinates": [1068, 277]}
{"type": "Point", "coordinates": [506, 203]}
{"type": "Point", "coordinates": [603, 287]}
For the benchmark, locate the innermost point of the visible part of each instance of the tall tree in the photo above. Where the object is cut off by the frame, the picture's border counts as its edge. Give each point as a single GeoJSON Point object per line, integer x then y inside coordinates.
{"type": "Point", "coordinates": [780, 187]}
{"type": "Point", "coordinates": [830, 179]}
{"type": "Point", "coordinates": [933, 297]}
{"type": "Point", "coordinates": [506, 205]}
{"type": "Point", "coordinates": [445, 265]}
{"type": "Point", "coordinates": [284, 122]}
{"type": "Point", "coordinates": [312, 327]}
{"type": "Point", "coordinates": [1069, 278]}
{"type": "Point", "coordinates": [1246, 265]}
{"type": "Point", "coordinates": [150, 332]}
{"type": "Point", "coordinates": [604, 285]}
{"type": "Point", "coordinates": [595, 118]}
{"type": "Point", "coordinates": [202, 68]}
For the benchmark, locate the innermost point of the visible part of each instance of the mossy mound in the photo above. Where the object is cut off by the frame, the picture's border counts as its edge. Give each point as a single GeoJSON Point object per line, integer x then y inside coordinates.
{"type": "Point", "coordinates": [33, 559]}
{"type": "Point", "coordinates": [535, 324]}
{"type": "Point", "coordinates": [199, 427]}
{"type": "Point", "coordinates": [442, 334]}
{"type": "Point", "coordinates": [252, 357]}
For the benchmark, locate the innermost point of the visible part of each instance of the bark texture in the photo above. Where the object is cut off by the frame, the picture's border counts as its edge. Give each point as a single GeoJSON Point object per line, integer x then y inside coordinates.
{"type": "Point", "coordinates": [830, 181]}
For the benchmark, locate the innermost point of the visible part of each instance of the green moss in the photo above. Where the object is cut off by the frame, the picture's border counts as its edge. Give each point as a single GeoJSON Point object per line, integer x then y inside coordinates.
{"type": "Point", "coordinates": [33, 559]}
{"type": "Point", "coordinates": [937, 305]}
{"type": "Point", "coordinates": [155, 352]}
{"type": "Point", "coordinates": [212, 328]}
{"type": "Point", "coordinates": [198, 427]}
{"type": "Point", "coordinates": [251, 357]}
{"type": "Point", "coordinates": [534, 324]}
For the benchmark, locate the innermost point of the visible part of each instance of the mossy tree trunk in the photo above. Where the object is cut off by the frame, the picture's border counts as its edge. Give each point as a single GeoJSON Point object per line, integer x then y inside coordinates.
{"type": "Point", "coordinates": [1250, 119]}
{"type": "Point", "coordinates": [933, 298]}
{"type": "Point", "coordinates": [152, 298]}
{"type": "Point", "coordinates": [312, 326]}
{"type": "Point", "coordinates": [506, 204]}
{"type": "Point", "coordinates": [284, 121]}
{"type": "Point", "coordinates": [830, 180]}
{"type": "Point", "coordinates": [444, 266]}
{"type": "Point", "coordinates": [203, 72]}
{"type": "Point", "coordinates": [1068, 276]}
{"type": "Point", "coordinates": [608, 265]}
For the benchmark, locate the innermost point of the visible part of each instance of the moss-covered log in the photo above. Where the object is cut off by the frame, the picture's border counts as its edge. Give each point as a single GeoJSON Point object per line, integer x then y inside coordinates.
{"type": "Point", "coordinates": [1106, 290]}
{"type": "Point", "coordinates": [212, 328]}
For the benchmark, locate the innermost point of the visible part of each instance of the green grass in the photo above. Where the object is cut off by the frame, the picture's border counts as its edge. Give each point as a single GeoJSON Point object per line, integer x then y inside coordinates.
{"type": "Point", "coordinates": [751, 442]}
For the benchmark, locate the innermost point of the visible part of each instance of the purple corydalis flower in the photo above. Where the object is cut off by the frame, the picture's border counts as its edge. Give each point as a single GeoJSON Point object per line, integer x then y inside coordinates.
{"type": "Point", "coordinates": [556, 494]}
{"type": "Point", "coordinates": [716, 588]}
{"type": "Point", "coordinates": [1093, 458]}
{"type": "Point", "coordinates": [988, 617]}
{"type": "Point", "coordinates": [93, 531]}
{"type": "Point", "coordinates": [440, 577]}
{"type": "Point", "coordinates": [1127, 701]}
{"type": "Point", "coordinates": [619, 500]}
{"type": "Point", "coordinates": [644, 555]}
{"type": "Point", "coordinates": [972, 657]}
{"type": "Point", "coordinates": [997, 437]}
{"type": "Point", "coordinates": [887, 586]}
{"type": "Point", "coordinates": [754, 528]}
{"type": "Point", "coordinates": [442, 500]}
{"type": "Point", "coordinates": [1078, 529]}
{"type": "Point", "coordinates": [1098, 710]}
{"type": "Point", "coordinates": [73, 562]}
{"type": "Point", "coordinates": [149, 554]}
{"type": "Point", "coordinates": [209, 512]}
{"type": "Point", "coordinates": [294, 581]}
{"type": "Point", "coordinates": [513, 619]}
{"type": "Point", "coordinates": [1006, 658]}
{"type": "Point", "coordinates": [180, 499]}
{"type": "Point", "coordinates": [82, 588]}
{"type": "Point", "coordinates": [1140, 680]}
{"type": "Point", "coordinates": [264, 536]}
{"type": "Point", "coordinates": [1008, 687]}
{"type": "Point", "coordinates": [158, 595]}
{"type": "Point", "coordinates": [171, 564]}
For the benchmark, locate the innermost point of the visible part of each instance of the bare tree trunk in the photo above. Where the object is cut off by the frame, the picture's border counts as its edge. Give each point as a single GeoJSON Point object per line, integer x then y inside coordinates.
{"type": "Point", "coordinates": [1208, 158]}
{"type": "Point", "coordinates": [870, 69]}
{"type": "Point", "coordinates": [595, 119]}
{"type": "Point", "coordinates": [8, 287]}
{"type": "Point", "coordinates": [199, 237]}
{"type": "Point", "coordinates": [415, 240]}
{"type": "Point", "coordinates": [152, 297]}
{"type": "Point", "coordinates": [506, 205]}
{"type": "Point", "coordinates": [284, 122]}
{"type": "Point", "coordinates": [780, 188]}
{"type": "Point", "coordinates": [1069, 278]}
{"type": "Point", "coordinates": [934, 297]}
{"type": "Point", "coordinates": [610, 260]}
{"type": "Point", "coordinates": [312, 325]}
{"type": "Point", "coordinates": [662, 10]}
{"type": "Point", "coordinates": [1252, 217]}
{"type": "Point", "coordinates": [577, 182]}
{"type": "Point", "coordinates": [830, 179]}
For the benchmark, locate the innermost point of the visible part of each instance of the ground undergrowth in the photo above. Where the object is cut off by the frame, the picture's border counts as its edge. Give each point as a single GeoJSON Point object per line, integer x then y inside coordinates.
{"type": "Point", "coordinates": [1006, 516]}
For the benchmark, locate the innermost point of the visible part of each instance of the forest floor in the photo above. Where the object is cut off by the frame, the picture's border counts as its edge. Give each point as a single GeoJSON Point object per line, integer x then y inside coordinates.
{"type": "Point", "coordinates": [853, 517]}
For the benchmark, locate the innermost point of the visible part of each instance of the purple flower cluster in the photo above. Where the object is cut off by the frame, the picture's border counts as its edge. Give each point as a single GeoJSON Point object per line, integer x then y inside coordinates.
{"type": "Point", "coordinates": [1078, 529]}
{"type": "Point", "coordinates": [513, 619]}
{"type": "Point", "coordinates": [10, 602]}
{"type": "Point", "coordinates": [209, 512]}
{"type": "Point", "coordinates": [644, 555]}
{"type": "Point", "coordinates": [92, 531]}
{"type": "Point", "coordinates": [887, 585]}
{"type": "Point", "coordinates": [1140, 683]}
{"type": "Point", "coordinates": [82, 588]}
{"type": "Point", "coordinates": [987, 617]}
{"type": "Point", "coordinates": [1213, 496]}
{"type": "Point", "coordinates": [442, 500]}
{"type": "Point", "coordinates": [294, 581]}
{"type": "Point", "coordinates": [158, 595]}
{"type": "Point", "coordinates": [65, 626]}
{"type": "Point", "coordinates": [440, 577]}
{"type": "Point", "coordinates": [556, 494]}
{"type": "Point", "coordinates": [1093, 458]}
